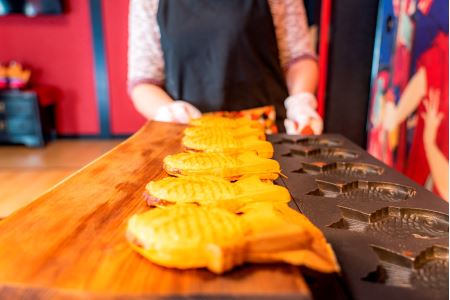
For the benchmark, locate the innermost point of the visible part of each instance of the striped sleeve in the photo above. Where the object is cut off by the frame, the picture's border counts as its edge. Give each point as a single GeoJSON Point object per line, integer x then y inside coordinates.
{"type": "Point", "coordinates": [145, 57]}
{"type": "Point", "coordinates": [291, 29]}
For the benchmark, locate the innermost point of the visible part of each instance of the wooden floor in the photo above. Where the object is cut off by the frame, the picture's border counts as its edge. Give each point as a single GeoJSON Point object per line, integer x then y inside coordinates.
{"type": "Point", "coordinates": [25, 173]}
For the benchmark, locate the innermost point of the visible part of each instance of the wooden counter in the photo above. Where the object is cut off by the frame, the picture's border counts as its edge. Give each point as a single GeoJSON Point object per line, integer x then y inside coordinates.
{"type": "Point", "coordinates": [70, 243]}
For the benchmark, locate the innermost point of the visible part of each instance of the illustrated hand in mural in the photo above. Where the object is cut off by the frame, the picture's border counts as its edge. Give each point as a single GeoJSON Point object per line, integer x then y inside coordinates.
{"type": "Point", "coordinates": [432, 117]}
{"type": "Point", "coordinates": [424, 6]}
{"type": "Point", "coordinates": [415, 91]}
{"type": "Point", "coordinates": [389, 116]}
{"type": "Point", "coordinates": [389, 119]}
{"type": "Point", "coordinates": [436, 159]}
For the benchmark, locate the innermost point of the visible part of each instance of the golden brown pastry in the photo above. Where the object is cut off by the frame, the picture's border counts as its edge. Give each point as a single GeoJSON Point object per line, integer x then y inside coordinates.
{"type": "Point", "coordinates": [228, 166]}
{"type": "Point", "coordinates": [217, 121]}
{"type": "Point", "coordinates": [241, 132]}
{"type": "Point", "coordinates": [213, 191]}
{"type": "Point", "coordinates": [190, 236]}
{"type": "Point", "coordinates": [228, 144]}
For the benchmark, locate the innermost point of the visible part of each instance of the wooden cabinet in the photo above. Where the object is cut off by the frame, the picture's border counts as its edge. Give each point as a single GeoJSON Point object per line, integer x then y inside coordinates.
{"type": "Point", "coordinates": [23, 120]}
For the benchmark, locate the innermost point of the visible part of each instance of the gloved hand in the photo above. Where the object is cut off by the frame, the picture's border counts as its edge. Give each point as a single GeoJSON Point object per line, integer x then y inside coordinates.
{"type": "Point", "coordinates": [177, 112]}
{"type": "Point", "coordinates": [302, 117]}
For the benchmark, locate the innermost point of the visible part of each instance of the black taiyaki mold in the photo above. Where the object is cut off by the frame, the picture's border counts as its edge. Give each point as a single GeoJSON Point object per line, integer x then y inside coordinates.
{"type": "Point", "coordinates": [327, 153]}
{"type": "Point", "coordinates": [428, 270]}
{"type": "Point", "coordinates": [340, 169]}
{"type": "Point", "coordinates": [390, 235]}
{"type": "Point", "coordinates": [395, 223]}
{"type": "Point", "coordinates": [362, 190]}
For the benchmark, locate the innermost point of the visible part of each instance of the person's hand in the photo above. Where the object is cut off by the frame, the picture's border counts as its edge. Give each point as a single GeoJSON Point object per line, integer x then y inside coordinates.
{"type": "Point", "coordinates": [177, 112]}
{"type": "Point", "coordinates": [389, 116]}
{"type": "Point", "coordinates": [432, 117]}
{"type": "Point", "coordinates": [302, 117]}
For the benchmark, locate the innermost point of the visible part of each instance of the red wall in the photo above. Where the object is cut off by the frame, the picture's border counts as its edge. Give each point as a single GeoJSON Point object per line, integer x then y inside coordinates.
{"type": "Point", "coordinates": [59, 51]}
{"type": "Point", "coordinates": [124, 118]}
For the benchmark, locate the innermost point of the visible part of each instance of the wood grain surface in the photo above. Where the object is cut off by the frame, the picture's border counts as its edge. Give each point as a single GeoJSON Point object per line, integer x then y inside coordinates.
{"type": "Point", "coordinates": [42, 168]}
{"type": "Point", "coordinates": [70, 242]}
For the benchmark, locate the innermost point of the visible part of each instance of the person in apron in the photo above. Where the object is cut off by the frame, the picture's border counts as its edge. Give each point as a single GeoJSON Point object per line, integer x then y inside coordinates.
{"type": "Point", "coordinates": [188, 57]}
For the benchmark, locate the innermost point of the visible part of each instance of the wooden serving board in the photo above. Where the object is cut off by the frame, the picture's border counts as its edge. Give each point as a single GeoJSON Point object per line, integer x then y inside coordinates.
{"type": "Point", "coordinates": [70, 242]}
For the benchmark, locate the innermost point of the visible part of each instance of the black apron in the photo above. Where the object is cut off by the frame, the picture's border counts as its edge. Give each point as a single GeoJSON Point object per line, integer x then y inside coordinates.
{"type": "Point", "coordinates": [221, 54]}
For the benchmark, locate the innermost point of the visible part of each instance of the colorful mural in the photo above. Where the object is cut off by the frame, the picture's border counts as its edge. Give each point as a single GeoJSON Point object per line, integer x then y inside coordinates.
{"type": "Point", "coordinates": [408, 114]}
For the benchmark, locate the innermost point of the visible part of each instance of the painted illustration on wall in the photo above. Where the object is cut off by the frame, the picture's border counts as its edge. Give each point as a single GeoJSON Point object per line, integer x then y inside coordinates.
{"type": "Point", "coordinates": [408, 116]}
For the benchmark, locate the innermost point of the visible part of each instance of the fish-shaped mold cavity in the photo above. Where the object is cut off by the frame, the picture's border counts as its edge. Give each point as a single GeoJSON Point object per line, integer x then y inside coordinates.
{"type": "Point", "coordinates": [322, 152]}
{"type": "Point", "coordinates": [362, 190]}
{"type": "Point", "coordinates": [341, 169]}
{"type": "Point", "coordinates": [309, 141]}
{"type": "Point", "coordinates": [428, 270]}
{"type": "Point", "coordinates": [395, 222]}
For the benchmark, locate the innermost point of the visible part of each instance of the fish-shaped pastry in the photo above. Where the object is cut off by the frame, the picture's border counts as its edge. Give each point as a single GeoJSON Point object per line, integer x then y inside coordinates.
{"type": "Point", "coordinates": [191, 236]}
{"type": "Point", "coordinates": [213, 191]}
{"type": "Point", "coordinates": [240, 132]}
{"type": "Point", "coordinates": [217, 121]}
{"type": "Point", "coordinates": [228, 166]}
{"type": "Point", "coordinates": [228, 144]}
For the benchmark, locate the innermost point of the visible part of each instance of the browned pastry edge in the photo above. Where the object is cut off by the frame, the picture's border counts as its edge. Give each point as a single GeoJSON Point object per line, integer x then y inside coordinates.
{"type": "Point", "coordinates": [172, 171]}
{"type": "Point", "coordinates": [133, 239]}
{"type": "Point", "coordinates": [175, 172]}
{"type": "Point", "coordinates": [191, 149]}
{"type": "Point", "coordinates": [154, 201]}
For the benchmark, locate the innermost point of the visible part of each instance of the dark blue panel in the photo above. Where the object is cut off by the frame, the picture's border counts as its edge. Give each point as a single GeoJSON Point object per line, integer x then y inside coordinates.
{"type": "Point", "coordinates": [101, 68]}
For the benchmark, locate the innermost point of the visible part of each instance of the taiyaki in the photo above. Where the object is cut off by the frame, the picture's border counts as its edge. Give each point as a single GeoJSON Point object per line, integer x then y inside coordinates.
{"type": "Point", "coordinates": [228, 144]}
{"type": "Point", "coordinates": [240, 132]}
{"type": "Point", "coordinates": [213, 191]}
{"type": "Point", "coordinates": [228, 166]}
{"type": "Point", "coordinates": [190, 236]}
{"type": "Point", "coordinates": [217, 121]}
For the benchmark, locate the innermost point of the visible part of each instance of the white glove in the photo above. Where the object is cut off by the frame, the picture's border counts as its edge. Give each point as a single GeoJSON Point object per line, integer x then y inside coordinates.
{"type": "Point", "coordinates": [302, 115]}
{"type": "Point", "coordinates": [177, 112]}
